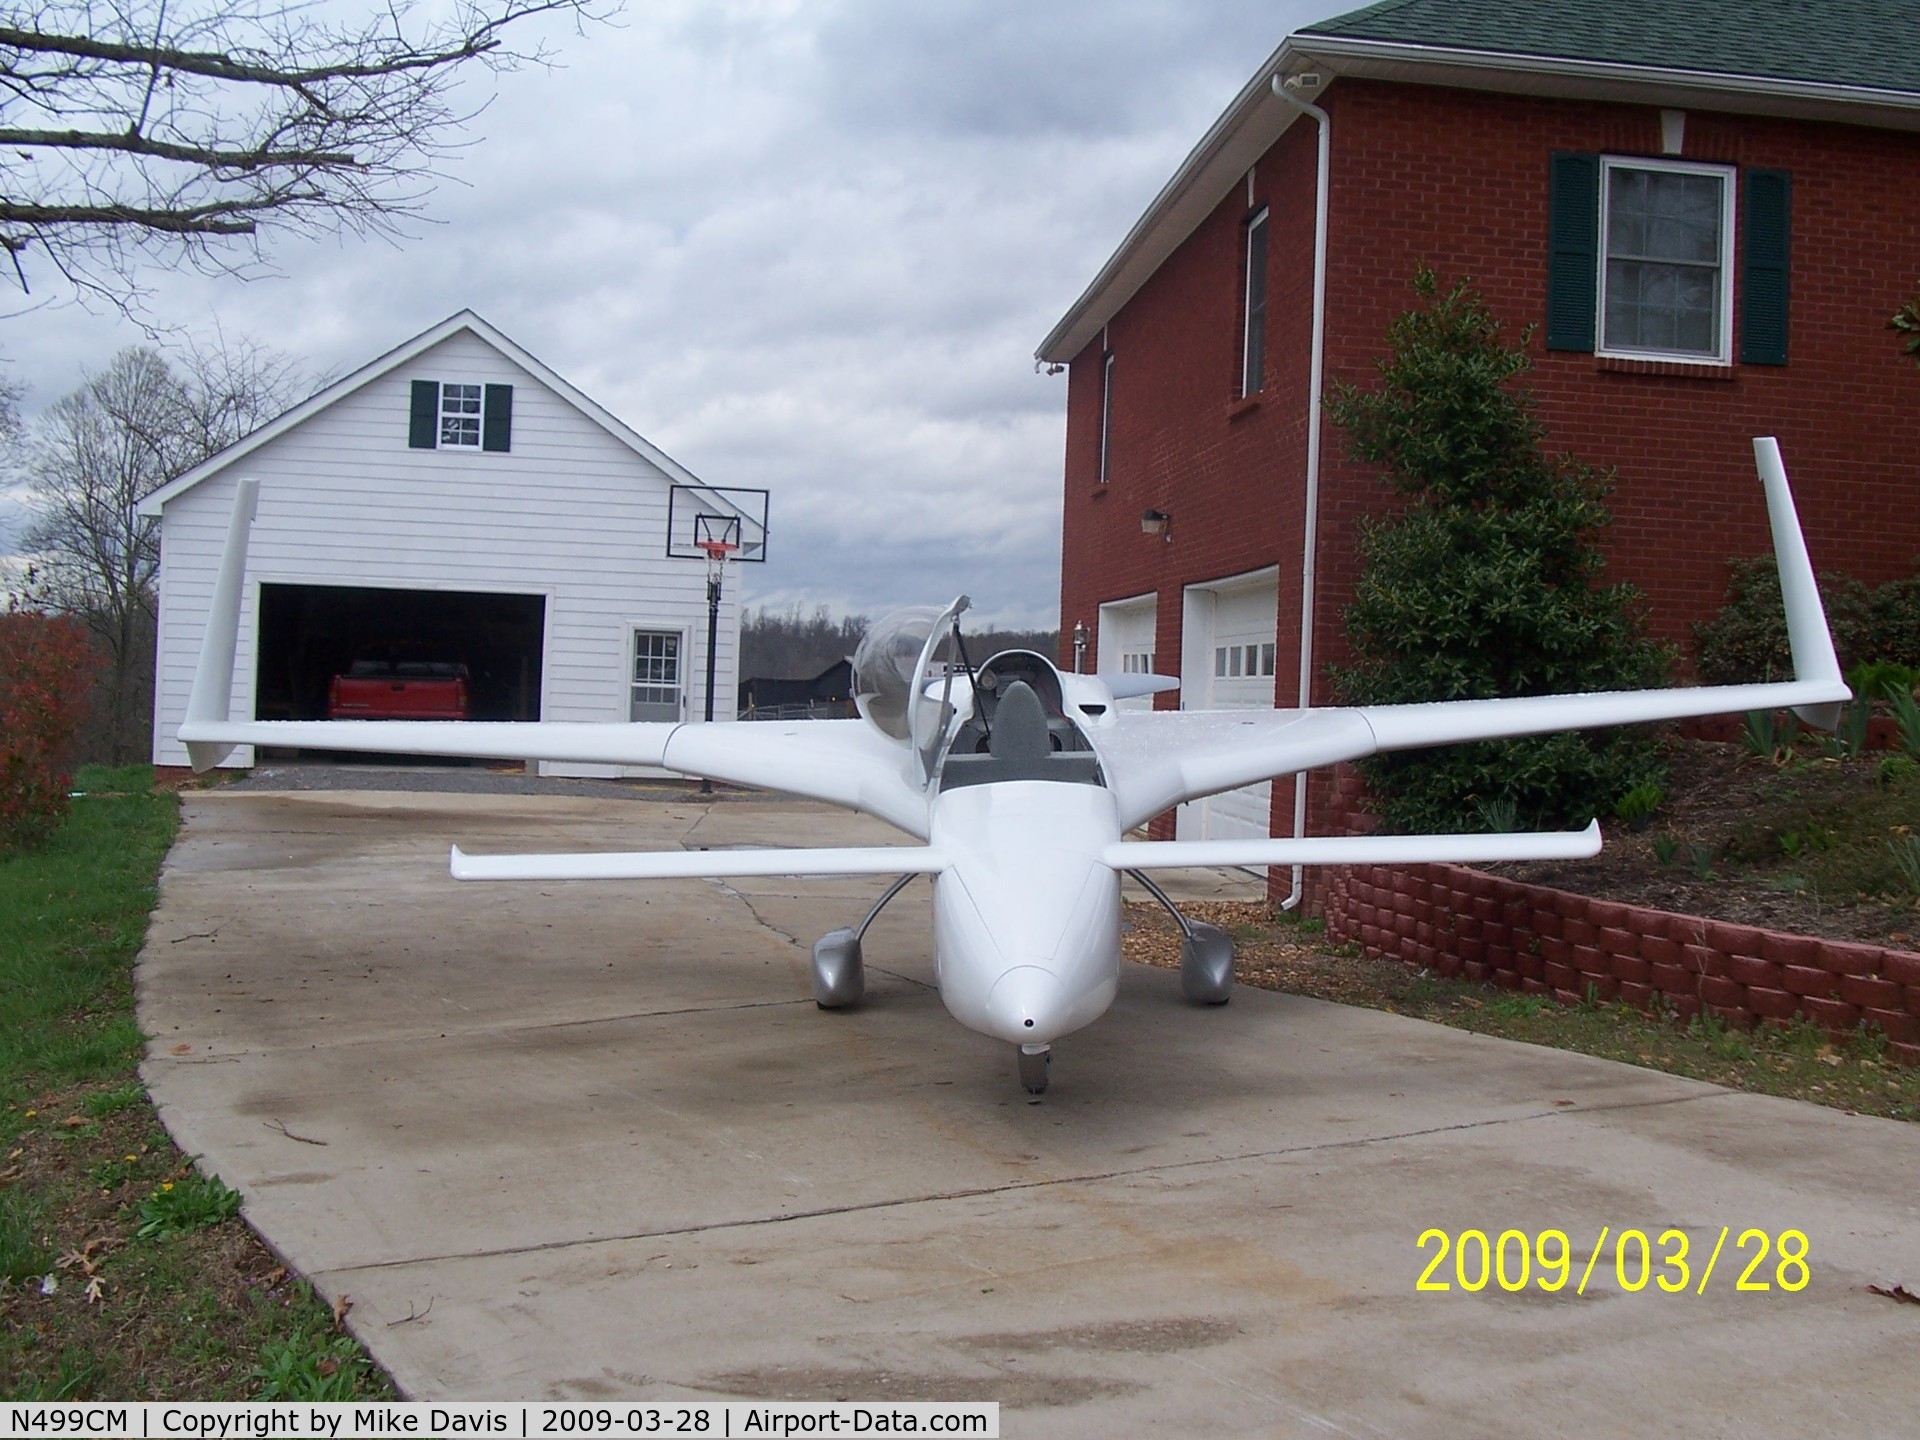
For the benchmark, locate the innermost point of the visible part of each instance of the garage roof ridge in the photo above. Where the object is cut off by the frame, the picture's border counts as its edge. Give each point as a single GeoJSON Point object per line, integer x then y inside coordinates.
{"type": "Point", "coordinates": [463, 320]}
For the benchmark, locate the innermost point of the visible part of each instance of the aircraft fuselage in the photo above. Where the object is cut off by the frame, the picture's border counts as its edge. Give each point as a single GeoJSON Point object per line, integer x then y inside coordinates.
{"type": "Point", "coordinates": [1026, 916]}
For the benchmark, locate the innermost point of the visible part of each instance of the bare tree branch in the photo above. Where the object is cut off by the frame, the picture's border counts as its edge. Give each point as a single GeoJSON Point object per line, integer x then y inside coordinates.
{"type": "Point", "coordinates": [189, 129]}
{"type": "Point", "coordinates": [134, 143]}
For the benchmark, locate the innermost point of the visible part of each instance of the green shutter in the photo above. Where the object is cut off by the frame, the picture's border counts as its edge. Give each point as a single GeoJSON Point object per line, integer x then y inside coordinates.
{"type": "Point", "coordinates": [1573, 250]}
{"type": "Point", "coordinates": [496, 418]}
{"type": "Point", "coordinates": [425, 415]}
{"type": "Point", "coordinates": [1763, 281]}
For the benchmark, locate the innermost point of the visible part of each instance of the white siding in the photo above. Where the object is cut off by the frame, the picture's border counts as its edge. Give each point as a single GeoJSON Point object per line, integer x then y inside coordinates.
{"type": "Point", "coordinates": [570, 513]}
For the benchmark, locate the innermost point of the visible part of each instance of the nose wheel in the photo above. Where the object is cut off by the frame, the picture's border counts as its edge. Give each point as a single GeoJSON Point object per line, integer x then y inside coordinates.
{"type": "Point", "coordinates": [1035, 1062]}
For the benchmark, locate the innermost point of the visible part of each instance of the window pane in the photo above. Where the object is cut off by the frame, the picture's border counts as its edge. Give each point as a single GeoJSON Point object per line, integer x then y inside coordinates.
{"type": "Point", "coordinates": [656, 675]}
{"type": "Point", "coordinates": [1663, 274]}
{"type": "Point", "coordinates": [1220, 661]}
{"type": "Point", "coordinates": [1254, 334]}
{"type": "Point", "coordinates": [1106, 413]}
{"type": "Point", "coordinates": [1266, 659]}
{"type": "Point", "coordinates": [460, 415]}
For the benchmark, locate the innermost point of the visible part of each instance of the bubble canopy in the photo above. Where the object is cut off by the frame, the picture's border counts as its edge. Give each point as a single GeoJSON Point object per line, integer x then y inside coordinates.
{"type": "Point", "coordinates": [884, 666]}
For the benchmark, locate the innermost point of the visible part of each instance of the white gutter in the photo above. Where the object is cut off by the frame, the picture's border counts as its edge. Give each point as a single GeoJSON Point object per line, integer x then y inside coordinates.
{"type": "Point", "coordinates": [1571, 76]}
{"type": "Point", "coordinates": [1247, 128]}
{"type": "Point", "coordinates": [1311, 525]}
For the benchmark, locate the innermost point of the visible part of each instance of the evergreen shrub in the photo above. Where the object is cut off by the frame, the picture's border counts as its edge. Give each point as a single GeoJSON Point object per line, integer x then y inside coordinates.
{"type": "Point", "coordinates": [1486, 582]}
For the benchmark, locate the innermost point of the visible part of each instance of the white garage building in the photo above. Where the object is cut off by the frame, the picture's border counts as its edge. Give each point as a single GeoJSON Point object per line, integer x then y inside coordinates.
{"type": "Point", "coordinates": [454, 497]}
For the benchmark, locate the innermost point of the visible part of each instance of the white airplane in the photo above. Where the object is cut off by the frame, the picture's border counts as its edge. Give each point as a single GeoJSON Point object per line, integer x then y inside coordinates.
{"type": "Point", "coordinates": [1020, 783]}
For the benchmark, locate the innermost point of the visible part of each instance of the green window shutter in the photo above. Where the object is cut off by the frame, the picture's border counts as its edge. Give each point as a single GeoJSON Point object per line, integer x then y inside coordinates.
{"type": "Point", "coordinates": [425, 415]}
{"type": "Point", "coordinates": [496, 418]}
{"type": "Point", "coordinates": [1573, 250]}
{"type": "Point", "coordinates": [1764, 255]}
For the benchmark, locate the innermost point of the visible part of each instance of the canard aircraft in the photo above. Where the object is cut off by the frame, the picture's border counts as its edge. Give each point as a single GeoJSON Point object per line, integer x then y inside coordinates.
{"type": "Point", "coordinates": [1020, 783]}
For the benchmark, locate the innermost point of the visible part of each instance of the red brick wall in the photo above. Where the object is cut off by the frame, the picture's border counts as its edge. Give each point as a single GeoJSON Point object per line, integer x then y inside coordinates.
{"type": "Point", "coordinates": [1458, 180]}
{"type": "Point", "coordinates": [1465, 923]}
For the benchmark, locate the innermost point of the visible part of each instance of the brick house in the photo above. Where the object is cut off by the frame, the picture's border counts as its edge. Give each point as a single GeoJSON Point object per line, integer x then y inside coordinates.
{"type": "Point", "coordinates": [1708, 210]}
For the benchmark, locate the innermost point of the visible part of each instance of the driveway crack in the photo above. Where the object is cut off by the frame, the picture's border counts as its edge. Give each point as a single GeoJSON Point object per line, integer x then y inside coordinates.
{"type": "Point", "coordinates": [1013, 1187]}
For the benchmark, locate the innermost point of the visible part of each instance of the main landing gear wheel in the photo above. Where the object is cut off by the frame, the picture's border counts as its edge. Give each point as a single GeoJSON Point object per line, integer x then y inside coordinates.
{"type": "Point", "coordinates": [839, 967]}
{"type": "Point", "coordinates": [1035, 1062]}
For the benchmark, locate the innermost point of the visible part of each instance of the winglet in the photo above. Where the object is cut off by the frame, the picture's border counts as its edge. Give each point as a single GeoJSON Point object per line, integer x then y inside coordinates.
{"type": "Point", "coordinates": [1807, 634]}
{"type": "Point", "coordinates": [212, 694]}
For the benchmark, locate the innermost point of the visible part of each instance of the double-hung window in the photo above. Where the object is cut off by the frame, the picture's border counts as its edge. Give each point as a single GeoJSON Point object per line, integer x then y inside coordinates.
{"type": "Point", "coordinates": [1641, 255]}
{"type": "Point", "coordinates": [1253, 328]}
{"type": "Point", "coordinates": [459, 417]}
{"type": "Point", "coordinates": [1666, 265]}
{"type": "Point", "coordinates": [1106, 413]}
{"type": "Point", "coordinates": [455, 415]}
{"type": "Point", "coordinates": [656, 675]}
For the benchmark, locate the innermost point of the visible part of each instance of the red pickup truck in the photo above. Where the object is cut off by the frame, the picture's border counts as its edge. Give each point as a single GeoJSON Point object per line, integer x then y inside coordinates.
{"type": "Point", "coordinates": [398, 687]}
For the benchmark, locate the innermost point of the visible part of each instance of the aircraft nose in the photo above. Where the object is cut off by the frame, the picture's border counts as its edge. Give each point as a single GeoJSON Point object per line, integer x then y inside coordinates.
{"type": "Point", "coordinates": [1027, 1005]}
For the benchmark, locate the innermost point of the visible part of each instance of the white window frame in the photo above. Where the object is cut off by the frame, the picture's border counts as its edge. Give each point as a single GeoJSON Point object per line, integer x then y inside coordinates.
{"type": "Point", "coordinates": [682, 655]}
{"type": "Point", "coordinates": [1728, 176]}
{"type": "Point", "coordinates": [478, 415]}
{"type": "Point", "coordinates": [1251, 383]}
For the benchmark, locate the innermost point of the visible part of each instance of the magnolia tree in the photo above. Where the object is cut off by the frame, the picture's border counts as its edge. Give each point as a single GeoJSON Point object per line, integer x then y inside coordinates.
{"type": "Point", "coordinates": [1485, 582]}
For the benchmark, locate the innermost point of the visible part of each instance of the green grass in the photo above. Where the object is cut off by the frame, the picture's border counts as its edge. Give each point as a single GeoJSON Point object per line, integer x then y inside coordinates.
{"type": "Point", "coordinates": [1798, 1061]}
{"type": "Point", "coordinates": [159, 1288]}
{"type": "Point", "coordinates": [72, 916]}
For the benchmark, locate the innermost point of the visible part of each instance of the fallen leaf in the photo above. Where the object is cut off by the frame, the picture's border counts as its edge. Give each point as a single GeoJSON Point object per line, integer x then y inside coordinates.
{"type": "Point", "coordinates": [74, 1122]}
{"type": "Point", "coordinates": [1898, 1292]}
{"type": "Point", "coordinates": [96, 1290]}
{"type": "Point", "coordinates": [340, 1308]}
{"type": "Point", "coordinates": [181, 1049]}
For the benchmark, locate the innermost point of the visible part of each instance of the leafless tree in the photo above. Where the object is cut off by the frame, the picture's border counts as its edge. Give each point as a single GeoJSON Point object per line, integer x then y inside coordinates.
{"type": "Point", "coordinates": [187, 129]}
{"type": "Point", "coordinates": [92, 457]}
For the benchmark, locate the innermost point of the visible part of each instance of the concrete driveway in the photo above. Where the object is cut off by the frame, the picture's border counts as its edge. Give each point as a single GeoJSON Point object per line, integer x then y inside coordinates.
{"type": "Point", "coordinates": [582, 1141]}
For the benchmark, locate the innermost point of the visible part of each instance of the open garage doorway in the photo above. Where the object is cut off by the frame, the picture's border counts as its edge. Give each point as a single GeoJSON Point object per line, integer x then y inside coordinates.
{"type": "Point", "coordinates": [310, 633]}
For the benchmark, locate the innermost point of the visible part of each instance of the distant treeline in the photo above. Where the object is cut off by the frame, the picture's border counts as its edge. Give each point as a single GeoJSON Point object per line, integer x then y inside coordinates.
{"type": "Point", "coordinates": [788, 644]}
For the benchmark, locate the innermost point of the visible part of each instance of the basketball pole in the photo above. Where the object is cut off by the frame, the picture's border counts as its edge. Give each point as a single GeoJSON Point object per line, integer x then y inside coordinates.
{"type": "Point", "coordinates": [716, 562]}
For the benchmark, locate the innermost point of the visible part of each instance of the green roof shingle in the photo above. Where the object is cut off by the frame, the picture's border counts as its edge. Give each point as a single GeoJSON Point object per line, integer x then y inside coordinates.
{"type": "Point", "coordinates": [1872, 43]}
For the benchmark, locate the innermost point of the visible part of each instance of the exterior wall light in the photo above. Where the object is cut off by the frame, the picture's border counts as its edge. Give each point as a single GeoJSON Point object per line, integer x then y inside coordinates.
{"type": "Point", "coordinates": [1157, 522]}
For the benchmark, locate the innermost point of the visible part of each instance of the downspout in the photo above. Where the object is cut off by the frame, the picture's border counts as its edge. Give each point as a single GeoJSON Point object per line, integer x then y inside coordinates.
{"type": "Point", "coordinates": [1311, 528]}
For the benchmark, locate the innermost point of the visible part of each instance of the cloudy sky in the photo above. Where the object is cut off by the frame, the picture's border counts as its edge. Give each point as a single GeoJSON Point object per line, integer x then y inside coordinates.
{"type": "Point", "coordinates": [803, 244]}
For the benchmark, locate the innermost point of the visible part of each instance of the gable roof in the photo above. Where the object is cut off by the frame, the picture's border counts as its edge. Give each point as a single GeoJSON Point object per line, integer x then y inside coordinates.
{"type": "Point", "coordinates": [401, 355]}
{"type": "Point", "coordinates": [1864, 43]}
{"type": "Point", "coordinates": [1856, 63]}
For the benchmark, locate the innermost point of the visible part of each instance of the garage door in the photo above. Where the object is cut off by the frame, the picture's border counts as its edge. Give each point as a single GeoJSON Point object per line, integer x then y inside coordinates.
{"type": "Point", "coordinates": [1227, 663]}
{"type": "Point", "coordinates": [310, 633]}
{"type": "Point", "coordinates": [1126, 642]}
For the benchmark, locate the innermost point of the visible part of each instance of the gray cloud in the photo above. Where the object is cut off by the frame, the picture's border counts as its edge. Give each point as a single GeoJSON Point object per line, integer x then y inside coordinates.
{"type": "Point", "coordinates": [807, 246]}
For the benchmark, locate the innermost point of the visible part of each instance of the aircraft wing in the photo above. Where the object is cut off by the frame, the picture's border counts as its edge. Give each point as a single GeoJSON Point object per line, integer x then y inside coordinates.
{"type": "Point", "coordinates": [1157, 759]}
{"type": "Point", "coordinates": [844, 762]}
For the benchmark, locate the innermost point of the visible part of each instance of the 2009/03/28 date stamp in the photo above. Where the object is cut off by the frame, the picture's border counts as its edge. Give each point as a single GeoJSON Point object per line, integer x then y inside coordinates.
{"type": "Point", "coordinates": [1472, 1261]}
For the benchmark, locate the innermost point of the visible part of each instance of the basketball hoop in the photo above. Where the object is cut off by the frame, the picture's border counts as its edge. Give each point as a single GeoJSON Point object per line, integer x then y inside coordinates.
{"type": "Point", "coordinates": [717, 552]}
